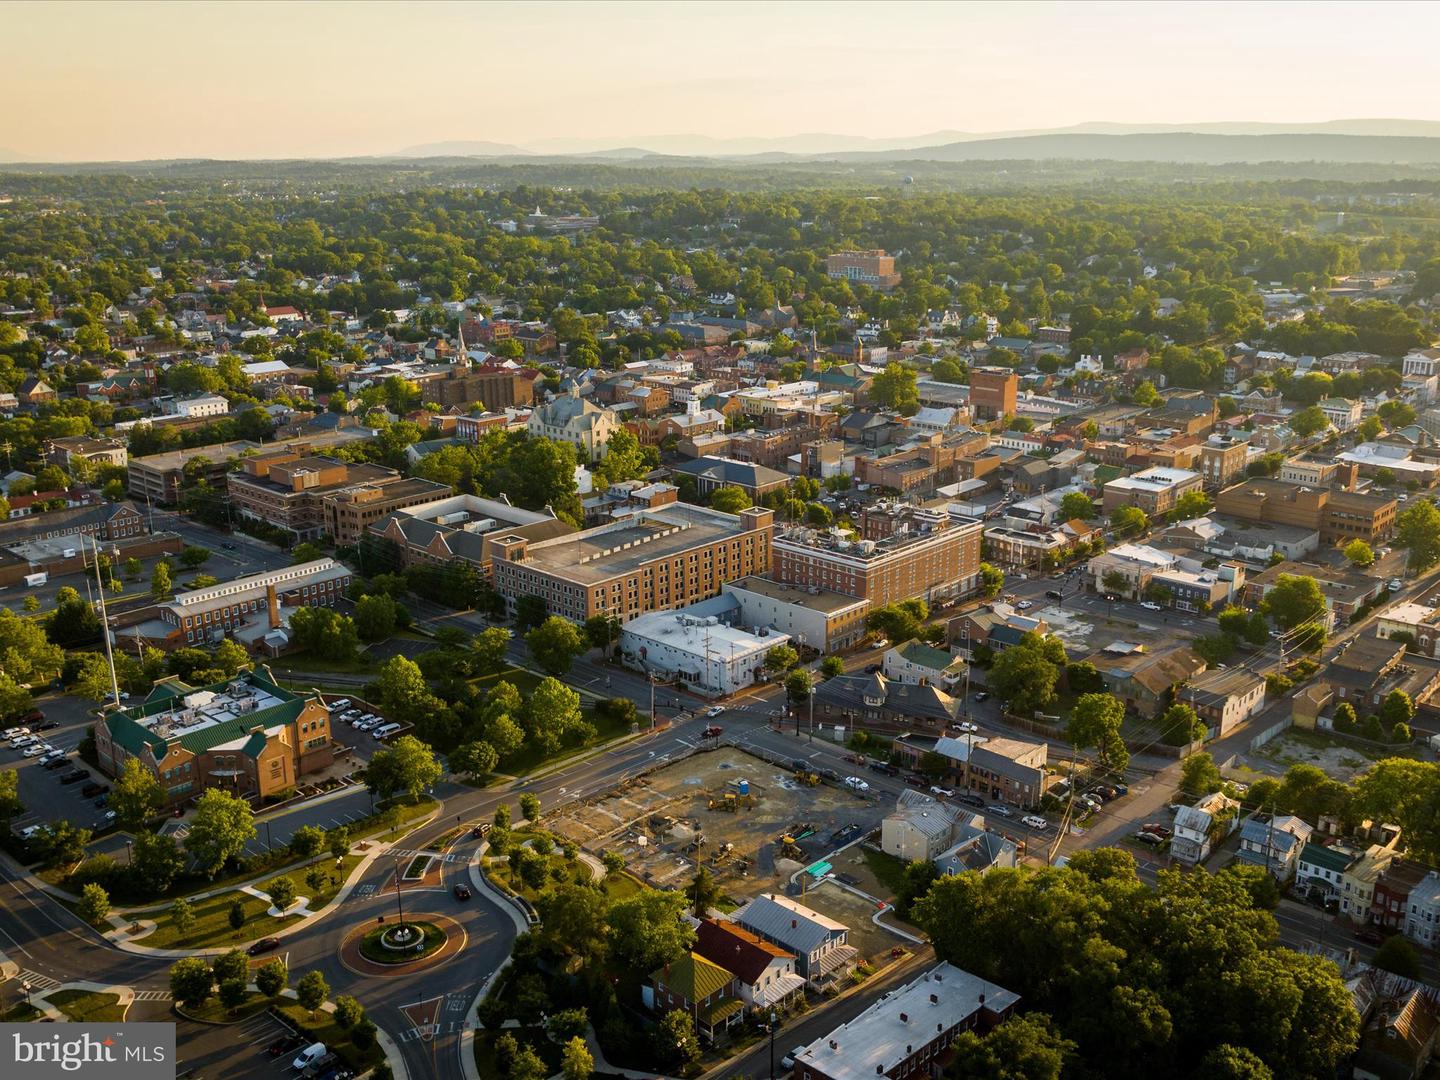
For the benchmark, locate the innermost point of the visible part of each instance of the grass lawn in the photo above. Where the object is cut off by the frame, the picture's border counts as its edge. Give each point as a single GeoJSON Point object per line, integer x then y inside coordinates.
{"type": "Point", "coordinates": [372, 948]}
{"type": "Point", "coordinates": [212, 1012]}
{"type": "Point", "coordinates": [622, 885]}
{"type": "Point", "coordinates": [212, 917]}
{"type": "Point", "coordinates": [561, 869]}
{"type": "Point", "coordinates": [530, 758]}
{"type": "Point", "coordinates": [489, 1068]}
{"type": "Point", "coordinates": [304, 661]}
{"type": "Point", "coordinates": [20, 1013]}
{"type": "Point", "coordinates": [888, 870]}
{"type": "Point", "coordinates": [85, 1007]}
{"type": "Point", "coordinates": [322, 1028]}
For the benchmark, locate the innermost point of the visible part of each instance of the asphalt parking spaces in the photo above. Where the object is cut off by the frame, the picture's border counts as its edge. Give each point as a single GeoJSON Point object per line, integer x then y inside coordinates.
{"type": "Point", "coordinates": [233, 1051]}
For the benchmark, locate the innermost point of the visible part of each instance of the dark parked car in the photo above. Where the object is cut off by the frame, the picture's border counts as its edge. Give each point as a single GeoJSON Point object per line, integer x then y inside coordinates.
{"type": "Point", "coordinates": [74, 776]}
{"type": "Point", "coordinates": [1054, 594]}
{"type": "Point", "coordinates": [57, 763]}
{"type": "Point", "coordinates": [982, 695]}
{"type": "Point", "coordinates": [481, 830]}
{"type": "Point", "coordinates": [286, 1044]}
{"type": "Point", "coordinates": [45, 726]}
{"type": "Point", "coordinates": [971, 799]}
{"type": "Point", "coordinates": [89, 791]}
{"type": "Point", "coordinates": [264, 945]}
{"type": "Point", "coordinates": [31, 718]}
{"type": "Point", "coordinates": [1369, 935]}
{"type": "Point", "coordinates": [830, 774]}
{"type": "Point", "coordinates": [102, 802]}
{"type": "Point", "coordinates": [462, 892]}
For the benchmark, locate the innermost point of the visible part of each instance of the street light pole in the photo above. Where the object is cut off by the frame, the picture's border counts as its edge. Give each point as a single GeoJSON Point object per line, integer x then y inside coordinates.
{"type": "Point", "coordinates": [398, 905]}
{"type": "Point", "coordinates": [773, 1018]}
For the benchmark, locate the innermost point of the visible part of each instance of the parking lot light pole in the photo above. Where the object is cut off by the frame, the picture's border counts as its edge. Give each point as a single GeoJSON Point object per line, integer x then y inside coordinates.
{"type": "Point", "coordinates": [773, 1018]}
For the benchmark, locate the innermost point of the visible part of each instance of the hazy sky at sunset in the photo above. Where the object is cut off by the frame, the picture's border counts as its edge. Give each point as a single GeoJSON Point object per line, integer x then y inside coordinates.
{"type": "Point", "coordinates": [243, 80]}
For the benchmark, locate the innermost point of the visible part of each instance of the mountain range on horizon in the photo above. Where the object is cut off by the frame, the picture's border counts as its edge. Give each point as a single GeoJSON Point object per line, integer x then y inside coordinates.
{"type": "Point", "coordinates": [818, 144]}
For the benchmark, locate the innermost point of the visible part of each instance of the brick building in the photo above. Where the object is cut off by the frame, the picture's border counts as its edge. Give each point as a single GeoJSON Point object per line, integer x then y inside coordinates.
{"type": "Point", "coordinates": [1337, 515]}
{"type": "Point", "coordinates": [352, 510]}
{"type": "Point", "coordinates": [495, 387]}
{"type": "Point", "coordinates": [993, 392]}
{"type": "Point", "coordinates": [873, 268]}
{"type": "Point", "coordinates": [287, 489]}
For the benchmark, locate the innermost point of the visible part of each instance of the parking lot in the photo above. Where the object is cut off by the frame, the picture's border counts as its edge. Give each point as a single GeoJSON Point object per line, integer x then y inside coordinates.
{"type": "Point", "coordinates": [233, 1052]}
{"type": "Point", "coordinates": [42, 794]}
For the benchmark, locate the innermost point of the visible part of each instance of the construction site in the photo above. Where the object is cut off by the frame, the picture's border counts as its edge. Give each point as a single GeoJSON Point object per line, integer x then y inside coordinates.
{"type": "Point", "coordinates": [753, 823]}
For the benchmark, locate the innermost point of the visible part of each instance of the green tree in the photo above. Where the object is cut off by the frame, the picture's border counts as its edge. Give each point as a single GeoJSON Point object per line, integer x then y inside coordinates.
{"type": "Point", "coordinates": [624, 460]}
{"type": "Point", "coordinates": [1297, 606]}
{"type": "Point", "coordinates": [161, 587]}
{"type": "Point", "coordinates": [1028, 1047]}
{"type": "Point", "coordinates": [133, 569]}
{"type": "Point", "coordinates": [232, 994]}
{"type": "Point", "coordinates": [155, 862]}
{"type": "Point", "coordinates": [1192, 504]}
{"type": "Point", "coordinates": [1179, 725]}
{"type": "Point", "coordinates": [135, 795]}
{"type": "Point", "coordinates": [192, 557]}
{"type": "Point", "coordinates": [530, 806]}
{"type": "Point", "coordinates": [647, 931]}
{"type": "Point", "coordinates": [272, 977]}
{"type": "Point", "coordinates": [348, 1012]}
{"type": "Point", "coordinates": [407, 765]}
{"type": "Point", "coordinates": [312, 990]}
{"type": "Point", "coordinates": [1095, 722]}
{"type": "Point", "coordinates": [992, 580]}
{"type": "Point", "coordinates": [191, 981]}
{"type": "Point", "coordinates": [1397, 708]}
{"type": "Point", "coordinates": [402, 685]}
{"type": "Point", "coordinates": [675, 1039]}
{"type": "Point", "coordinates": [1359, 553]}
{"type": "Point", "coordinates": [1199, 776]}
{"type": "Point", "coordinates": [94, 904]}
{"type": "Point", "coordinates": [799, 685]}
{"type": "Point", "coordinates": [576, 1062]}
{"type": "Point", "coordinates": [1077, 505]}
{"type": "Point", "coordinates": [221, 827]}
{"type": "Point", "coordinates": [780, 658]}
{"type": "Point", "coordinates": [574, 920]}
{"type": "Point", "coordinates": [475, 759]}
{"type": "Point", "coordinates": [1129, 520]}
{"type": "Point", "coordinates": [10, 803]}
{"type": "Point", "coordinates": [236, 914]}
{"type": "Point", "coordinates": [1308, 421]}
{"type": "Point", "coordinates": [895, 388]}
{"type": "Point", "coordinates": [1399, 956]}
{"type": "Point", "coordinates": [182, 917]}
{"type": "Point", "coordinates": [1227, 1062]}
{"type": "Point", "coordinates": [555, 644]}
{"type": "Point", "coordinates": [552, 711]}
{"type": "Point", "coordinates": [307, 841]}
{"type": "Point", "coordinates": [1417, 528]}
{"type": "Point", "coordinates": [491, 648]}
{"type": "Point", "coordinates": [1026, 673]}
{"type": "Point", "coordinates": [832, 666]}
{"type": "Point", "coordinates": [730, 499]}
{"type": "Point", "coordinates": [703, 893]}
{"type": "Point", "coordinates": [1144, 393]}
{"type": "Point", "coordinates": [338, 840]}
{"type": "Point", "coordinates": [281, 892]}
{"type": "Point", "coordinates": [375, 617]}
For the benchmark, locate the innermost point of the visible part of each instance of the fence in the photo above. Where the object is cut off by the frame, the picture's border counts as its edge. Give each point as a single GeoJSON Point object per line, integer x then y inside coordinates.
{"type": "Point", "coordinates": [1270, 733]}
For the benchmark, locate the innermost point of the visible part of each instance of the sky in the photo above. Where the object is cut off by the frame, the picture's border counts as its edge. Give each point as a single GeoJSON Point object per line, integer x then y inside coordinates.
{"type": "Point", "coordinates": [125, 81]}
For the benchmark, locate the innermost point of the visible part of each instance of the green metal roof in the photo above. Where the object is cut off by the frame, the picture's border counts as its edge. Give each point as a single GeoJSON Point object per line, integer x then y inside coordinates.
{"type": "Point", "coordinates": [917, 652]}
{"type": "Point", "coordinates": [693, 977]}
{"type": "Point", "coordinates": [1327, 858]}
{"type": "Point", "coordinates": [126, 729]}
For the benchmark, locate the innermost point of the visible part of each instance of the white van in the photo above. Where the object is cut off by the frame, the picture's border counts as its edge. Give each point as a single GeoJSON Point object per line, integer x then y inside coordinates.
{"type": "Point", "coordinates": [384, 731]}
{"type": "Point", "coordinates": [311, 1054]}
{"type": "Point", "coordinates": [343, 703]}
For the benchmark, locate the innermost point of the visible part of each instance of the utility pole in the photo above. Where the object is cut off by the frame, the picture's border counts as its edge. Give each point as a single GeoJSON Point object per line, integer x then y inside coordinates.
{"type": "Point", "coordinates": [398, 905]}
{"type": "Point", "coordinates": [105, 625]}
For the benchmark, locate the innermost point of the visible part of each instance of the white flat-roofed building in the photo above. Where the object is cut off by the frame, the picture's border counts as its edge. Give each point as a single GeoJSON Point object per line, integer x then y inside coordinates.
{"type": "Point", "coordinates": [820, 618]}
{"type": "Point", "coordinates": [699, 646]}
{"type": "Point", "coordinates": [903, 1033]}
{"type": "Point", "coordinates": [205, 405]}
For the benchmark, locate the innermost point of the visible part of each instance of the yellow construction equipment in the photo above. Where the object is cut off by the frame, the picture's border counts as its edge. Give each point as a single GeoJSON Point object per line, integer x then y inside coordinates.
{"type": "Point", "coordinates": [809, 779]}
{"type": "Point", "coordinates": [728, 803]}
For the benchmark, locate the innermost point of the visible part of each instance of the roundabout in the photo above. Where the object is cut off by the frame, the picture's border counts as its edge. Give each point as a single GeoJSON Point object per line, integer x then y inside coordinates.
{"type": "Point", "coordinates": [421, 942]}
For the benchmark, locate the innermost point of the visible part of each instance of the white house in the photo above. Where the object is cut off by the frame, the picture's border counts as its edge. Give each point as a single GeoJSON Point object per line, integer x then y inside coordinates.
{"type": "Point", "coordinates": [698, 647]}
{"type": "Point", "coordinates": [920, 827]}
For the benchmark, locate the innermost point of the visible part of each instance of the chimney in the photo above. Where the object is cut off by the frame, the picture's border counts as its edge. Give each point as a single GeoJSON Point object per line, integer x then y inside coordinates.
{"type": "Point", "coordinates": [273, 601]}
{"type": "Point", "coordinates": [934, 999]}
{"type": "Point", "coordinates": [794, 923]}
{"type": "Point", "coordinates": [904, 1018]}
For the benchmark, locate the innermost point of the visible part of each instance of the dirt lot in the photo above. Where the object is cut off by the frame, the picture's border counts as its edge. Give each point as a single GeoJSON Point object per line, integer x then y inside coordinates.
{"type": "Point", "coordinates": [1340, 760]}
{"type": "Point", "coordinates": [874, 943]}
{"type": "Point", "coordinates": [655, 820]}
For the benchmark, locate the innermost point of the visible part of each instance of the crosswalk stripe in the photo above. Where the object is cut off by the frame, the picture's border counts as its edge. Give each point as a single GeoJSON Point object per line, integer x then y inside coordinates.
{"type": "Point", "coordinates": [38, 981]}
{"type": "Point", "coordinates": [152, 995]}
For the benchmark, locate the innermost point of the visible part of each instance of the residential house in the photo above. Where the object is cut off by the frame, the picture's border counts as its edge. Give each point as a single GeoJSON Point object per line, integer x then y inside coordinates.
{"type": "Point", "coordinates": [1223, 699]}
{"type": "Point", "coordinates": [576, 420]}
{"type": "Point", "coordinates": [707, 992]}
{"type": "Point", "coordinates": [1398, 1038]}
{"type": "Point", "coordinates": [1274, 844]}
{"type": "Point", "coordinates": [914, 663]}
{"type": "Point", "coordinates": [1422, 918]}
{"type": "Point", "coordinates": [1320, 870]}
{"type": "Point", "coordinates": [712, 473]}
{"type": "Point", "coordinates": [1393, 887]}
{"type": "Point", "coordinates": [1199, 827]}
{"type": "Point", "coordinates": [979, 850]}
{"type": "Point", "coordinates": [1342, 413]}
{"type": "Point", "coordinates": [819, 943]}
{"type": "Point", "coordinates": [1146, 681]}
{"type": "Point", "coordinates": [765, 971]}
{"type": "Point", "coordinates": [35, 391]}
{"type": "Point", "coordinates": [1357, 884]}
{"type": "Point", "coordinates": [920, 826]}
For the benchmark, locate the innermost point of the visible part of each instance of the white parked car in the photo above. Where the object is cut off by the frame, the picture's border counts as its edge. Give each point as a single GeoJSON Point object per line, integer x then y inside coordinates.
{"type": "Point", "coordinates": [999, 810]}
{"type": "Point", "coordinates": [11, 732]}
{"type": "Point", "coordinates": [1395, 584]}
{"type": "Point", "coordinates": [34, 751]}
{"type": "Point", "coordinates": [22, 740]}
{"type": "Point", "coordinates": [789, 1060]}
{"type": "Point", "coordinates": [715, 710]}
{"type": "Point", "coordinates": [856, 784]}
{"type": "Point", "coordinates": [1150, 605]}
{"type": "Point", "coordinates": [366, 725]}
{"type": "Point", "coordinates": [944, 792]}
{"type": "Point", "coordinates": [1035, 821]}
{"type": "Point", "coordinates": [1024, 605]}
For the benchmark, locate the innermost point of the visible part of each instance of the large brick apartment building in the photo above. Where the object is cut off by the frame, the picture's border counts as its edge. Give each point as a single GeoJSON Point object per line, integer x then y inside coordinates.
{"type": "Point", "coordinates": [908, 552]}
{"type": "Point", "coordinates": [652, 561]}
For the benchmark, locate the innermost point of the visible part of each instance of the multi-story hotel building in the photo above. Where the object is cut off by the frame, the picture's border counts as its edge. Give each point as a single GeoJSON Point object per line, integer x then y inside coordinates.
{"type": "Point", "coordinates": [246, 736]}
{"type": "Point", "coordinates": [926, 554]}
{"type": "Point", "coordinates": [650, 561]}
{"type": "Point", "coordinates": [1154, 490]}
